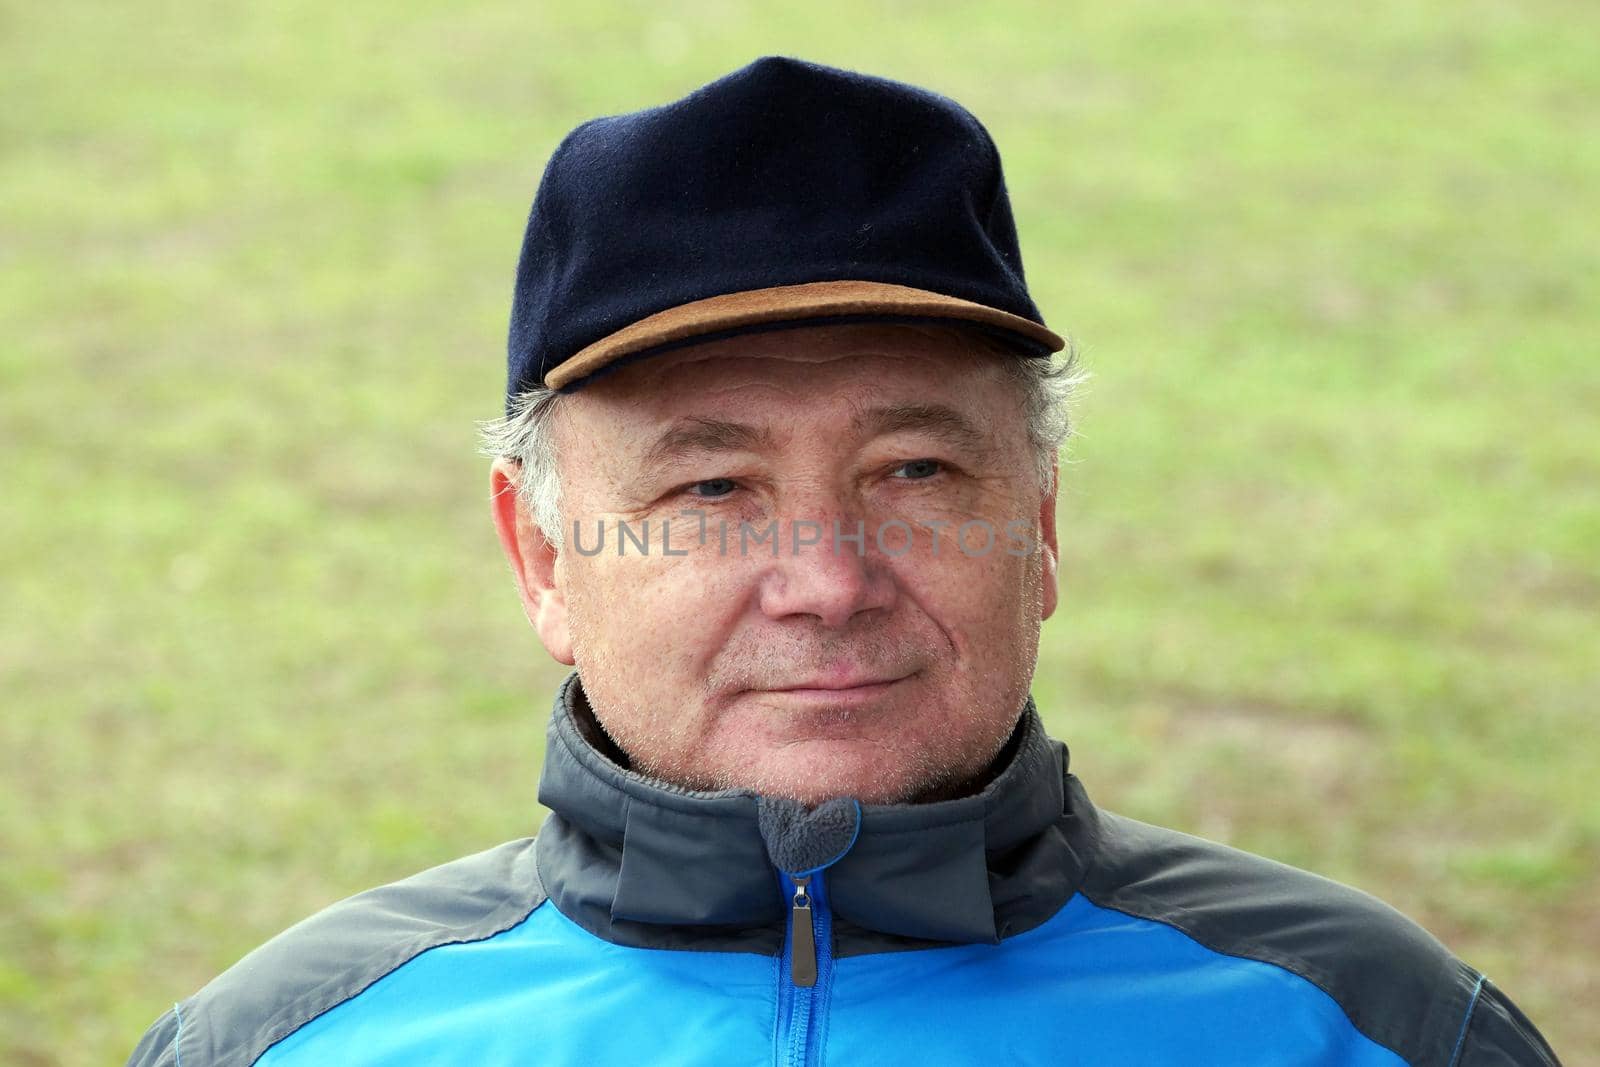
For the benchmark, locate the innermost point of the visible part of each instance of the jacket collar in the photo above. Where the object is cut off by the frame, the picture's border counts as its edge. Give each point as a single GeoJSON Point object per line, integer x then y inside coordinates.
{"type": "Point", "coordinates": [642, 862]}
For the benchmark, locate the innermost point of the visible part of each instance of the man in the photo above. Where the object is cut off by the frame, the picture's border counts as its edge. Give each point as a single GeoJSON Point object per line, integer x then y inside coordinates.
{"type": "Point", "coordinates": [778, 477]}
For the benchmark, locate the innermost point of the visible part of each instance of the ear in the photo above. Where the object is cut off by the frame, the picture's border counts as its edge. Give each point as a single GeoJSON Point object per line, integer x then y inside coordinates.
{"type": "Point", "coordinates": [1047, 541]}
{"type": "Point", "coordinates": [533, 562]}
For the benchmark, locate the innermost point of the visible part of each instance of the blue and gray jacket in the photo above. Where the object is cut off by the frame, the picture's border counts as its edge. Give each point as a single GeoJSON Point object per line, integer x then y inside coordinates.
{"type": "Point", "coordinates": [650, 924]}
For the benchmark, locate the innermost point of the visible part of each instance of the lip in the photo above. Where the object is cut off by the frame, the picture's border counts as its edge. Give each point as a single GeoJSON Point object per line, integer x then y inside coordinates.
{"type": "Point", "coordinates": [832, 686]}
{"type": "Point", "coordinates": [835, 691]}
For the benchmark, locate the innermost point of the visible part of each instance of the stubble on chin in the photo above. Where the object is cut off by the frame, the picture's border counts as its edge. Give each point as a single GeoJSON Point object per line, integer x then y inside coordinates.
{"type": "Point", "coordinates": [677, 732]}
{"type": "Point", "coordinates": [918, 766]}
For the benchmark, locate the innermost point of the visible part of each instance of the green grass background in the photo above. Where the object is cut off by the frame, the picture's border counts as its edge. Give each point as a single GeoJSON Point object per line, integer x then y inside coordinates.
{"type": "Point", "coordinates": [1331, 536]}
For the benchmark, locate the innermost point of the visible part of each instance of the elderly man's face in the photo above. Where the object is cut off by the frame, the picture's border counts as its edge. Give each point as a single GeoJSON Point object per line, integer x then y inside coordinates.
{"type": "Point", "coordinates": [885, 671]}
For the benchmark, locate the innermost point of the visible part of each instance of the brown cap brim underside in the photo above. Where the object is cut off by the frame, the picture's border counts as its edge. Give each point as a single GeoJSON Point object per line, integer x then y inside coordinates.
{"type": "Point", "coordinates": [813, 300]}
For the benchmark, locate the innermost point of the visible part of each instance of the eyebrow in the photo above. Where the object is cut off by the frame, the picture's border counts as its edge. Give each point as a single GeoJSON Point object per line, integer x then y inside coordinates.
{"type": "Point", "coordinates": [936, 420]}
{"type": "Point", "coordinates": [692, 435]}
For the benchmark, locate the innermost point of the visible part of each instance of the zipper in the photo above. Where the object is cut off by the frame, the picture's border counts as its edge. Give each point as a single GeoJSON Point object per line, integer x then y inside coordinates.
{"type": "Point", "coordinates": [803, 942]}
{"type": "Point", "coordinates": [805, 974]}
{"type": "Point", "coordinates": [807, 968]}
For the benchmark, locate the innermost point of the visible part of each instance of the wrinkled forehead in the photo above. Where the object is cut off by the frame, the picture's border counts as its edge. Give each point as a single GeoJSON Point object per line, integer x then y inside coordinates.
{"type": "Point", "coordinates": [807, 364]}
{"type": "Point", "coordinates": [796, 389]}
{"type": "Point", "coordinates": [831, 389]}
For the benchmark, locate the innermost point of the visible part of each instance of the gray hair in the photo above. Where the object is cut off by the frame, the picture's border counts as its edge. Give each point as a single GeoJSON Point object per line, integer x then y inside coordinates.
{"type": "Point", "coordinates": [525, 436]}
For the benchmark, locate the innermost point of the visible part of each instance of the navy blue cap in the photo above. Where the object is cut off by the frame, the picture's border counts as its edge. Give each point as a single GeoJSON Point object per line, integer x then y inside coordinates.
{"type": "Point", "coordinates": [785, 193]}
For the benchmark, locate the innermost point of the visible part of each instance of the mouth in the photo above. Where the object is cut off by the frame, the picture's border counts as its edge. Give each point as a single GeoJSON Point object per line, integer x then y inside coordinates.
{"type": "Point", "coordinates": [847, 690]}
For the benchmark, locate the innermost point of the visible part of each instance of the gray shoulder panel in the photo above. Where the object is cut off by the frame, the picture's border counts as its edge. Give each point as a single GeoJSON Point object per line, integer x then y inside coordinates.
{"type": "Point", "coordinates": [327, 959]}
{"type": "Point", "coordinates": [1499, 1035]}
{"type": "Point", "coordinates": [1394, 981]}
{"type": "Point", "coordinates": [159, 1045]}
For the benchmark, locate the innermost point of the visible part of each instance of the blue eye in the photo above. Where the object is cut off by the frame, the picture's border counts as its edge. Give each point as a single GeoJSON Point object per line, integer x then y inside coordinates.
{"type": "Point", "coordinates": [920, 469]}
{"type": "Point", "coordinates": [715, 488]}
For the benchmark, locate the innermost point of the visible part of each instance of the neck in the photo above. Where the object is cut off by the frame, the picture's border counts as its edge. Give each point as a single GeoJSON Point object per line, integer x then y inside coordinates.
{"type": "Point", "coordinates": [636, 860]}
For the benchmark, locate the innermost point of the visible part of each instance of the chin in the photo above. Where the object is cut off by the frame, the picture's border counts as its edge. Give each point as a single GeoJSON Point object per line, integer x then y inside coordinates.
{"type": "Point", "coordinates": [814, 772]}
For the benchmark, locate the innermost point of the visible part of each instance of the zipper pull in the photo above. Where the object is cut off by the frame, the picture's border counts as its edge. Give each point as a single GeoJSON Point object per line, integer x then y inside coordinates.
{"type": "Point", "coordinates": [803, 954]}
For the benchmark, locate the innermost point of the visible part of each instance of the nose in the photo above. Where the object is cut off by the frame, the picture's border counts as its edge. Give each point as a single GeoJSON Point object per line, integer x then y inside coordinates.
{"type": "Point", "coordinates": [831, 578]}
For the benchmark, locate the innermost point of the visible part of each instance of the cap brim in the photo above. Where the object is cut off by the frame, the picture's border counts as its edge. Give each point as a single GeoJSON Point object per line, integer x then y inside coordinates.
{"type": "Point", "coordinates": [786, 303]}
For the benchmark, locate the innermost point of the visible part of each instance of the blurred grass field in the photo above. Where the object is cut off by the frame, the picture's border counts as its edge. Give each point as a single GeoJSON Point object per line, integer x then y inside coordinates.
{"type": "Point", "coordinates": [1331, 534]}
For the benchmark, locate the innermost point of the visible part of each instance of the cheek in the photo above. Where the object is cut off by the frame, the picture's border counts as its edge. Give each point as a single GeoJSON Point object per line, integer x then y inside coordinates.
{"type": "Point", "coordinates": [985, 603]}
{"type": "Point", "coordinates": [653, 617]}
